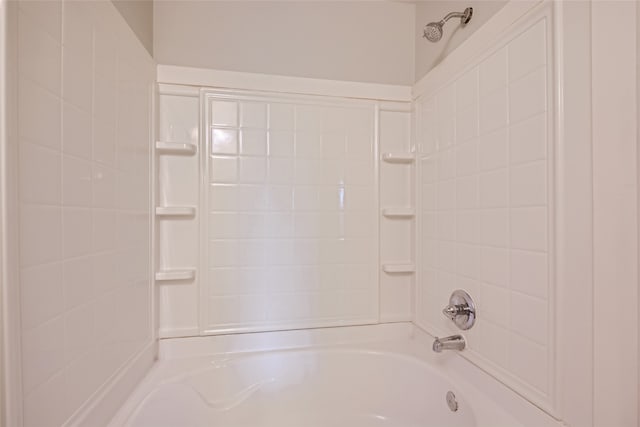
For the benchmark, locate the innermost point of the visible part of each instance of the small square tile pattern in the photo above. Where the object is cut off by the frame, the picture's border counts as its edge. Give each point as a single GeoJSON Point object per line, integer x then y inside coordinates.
{"type": "Point", "coordinates": [84, 166]}
{"type": "Point", "coordinates": [485, 206]}
{"type": "Point", "coordinates": [292, 223]}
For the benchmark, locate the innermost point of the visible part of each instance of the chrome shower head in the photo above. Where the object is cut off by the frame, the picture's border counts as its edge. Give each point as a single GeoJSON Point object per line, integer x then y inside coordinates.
{"type": "Point", "coordinates": [433, 30]}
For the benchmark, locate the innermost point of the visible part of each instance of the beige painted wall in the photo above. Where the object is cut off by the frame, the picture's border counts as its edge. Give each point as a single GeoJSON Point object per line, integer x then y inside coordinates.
{"type": "Point", "coordinates": [367, 41]}
{"type": "Point", "coordinates": [428, 54]}
{"type": "Point", "coordinates": [139, 16]}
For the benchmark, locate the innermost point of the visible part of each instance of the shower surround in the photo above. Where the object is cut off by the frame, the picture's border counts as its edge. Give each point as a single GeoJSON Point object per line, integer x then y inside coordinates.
{"type": "Point", "coordinates": [230, 223]}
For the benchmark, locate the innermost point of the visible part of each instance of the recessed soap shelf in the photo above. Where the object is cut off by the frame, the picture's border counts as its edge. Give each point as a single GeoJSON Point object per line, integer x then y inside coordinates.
{"type": "Point", "coordinates": [399, 268]}
{"type": "Point", "coordinates": [184, 148]}
{"type": "Point", "coordinates": [398, 157]}
{"type": "Point", "coordinates": [168, 275]}
{"type": "Point", "coordinates": [398, 212]}
{"type": "Point", "coordinates": [178, 211]}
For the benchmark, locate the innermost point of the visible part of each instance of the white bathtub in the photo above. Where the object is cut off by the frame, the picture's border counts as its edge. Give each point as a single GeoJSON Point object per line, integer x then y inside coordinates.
{"type": "Point", "coordinates": [383, 375]}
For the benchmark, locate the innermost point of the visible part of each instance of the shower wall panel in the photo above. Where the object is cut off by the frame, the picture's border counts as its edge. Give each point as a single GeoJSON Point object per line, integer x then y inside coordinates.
{"type": "Point", "coordinates": [487, 208]}
{"type": "Point", "coordinates": [291, 232]}
{"type": "Point", "coordinates": [84, 101]}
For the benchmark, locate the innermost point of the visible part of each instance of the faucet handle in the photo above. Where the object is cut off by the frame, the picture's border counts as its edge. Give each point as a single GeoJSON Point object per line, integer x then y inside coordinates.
{"type": "Point", "coordinates": [461, 309]}
{"type": "Point", "coordinates": [451, 311]}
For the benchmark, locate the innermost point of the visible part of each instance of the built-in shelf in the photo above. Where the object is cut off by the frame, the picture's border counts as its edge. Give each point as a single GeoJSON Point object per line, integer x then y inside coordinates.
{"type": "Point", "coordinates": [398, 212]}
{"type": "Point", "coordinates": [184, 148]}
{"type": "Point", "coordinates": [399, 268]}
{"type": "Point", "coordinates": [175, 275]}
{"type": "Point", "coordinates": [175, 211]}
{"type": "Point", "coordinates": [398, 157]}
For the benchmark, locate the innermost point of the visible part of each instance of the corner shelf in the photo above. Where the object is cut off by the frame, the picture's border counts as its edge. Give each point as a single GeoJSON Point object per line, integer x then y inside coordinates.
{"type": "Point", "coordinates": [176, 211]}
{"type": "Point", "coordinates": [399, 157]}
{"type": "Point", "coordinates": [396, 212]}
{"type": "Point", "coordinates": [399, 268]}
{"type": "Point", "coordinates": [168, 275]}
{"type": "Point", "coordinates": [182, 148]}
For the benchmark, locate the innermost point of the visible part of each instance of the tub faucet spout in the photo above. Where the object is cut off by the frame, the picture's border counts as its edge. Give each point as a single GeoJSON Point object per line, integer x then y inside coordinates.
{"type": "Point", "coordinates": [454, 342]}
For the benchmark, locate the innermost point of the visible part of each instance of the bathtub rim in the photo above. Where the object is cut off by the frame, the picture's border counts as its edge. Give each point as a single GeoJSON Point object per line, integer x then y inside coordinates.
{"type": "Point", "coordinates": [403, 339]}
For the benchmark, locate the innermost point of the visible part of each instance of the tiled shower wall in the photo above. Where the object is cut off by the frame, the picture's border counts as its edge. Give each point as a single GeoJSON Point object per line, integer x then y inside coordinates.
{"type": "Point", "coordinates": [297, 187]}
{"type": "Point", "coordinates": [486, 209]}
{"type": "Point", "coordinates": [292, 223]}
{"type": "Point", "coordinates": [84, 100]}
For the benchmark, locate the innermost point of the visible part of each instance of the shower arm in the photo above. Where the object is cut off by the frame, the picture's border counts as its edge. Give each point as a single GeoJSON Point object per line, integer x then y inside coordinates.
{"type": "Point", "coordinates": [464, 17]}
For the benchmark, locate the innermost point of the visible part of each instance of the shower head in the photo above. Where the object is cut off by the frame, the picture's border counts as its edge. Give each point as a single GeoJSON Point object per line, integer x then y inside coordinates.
{"type": "Point", "coordinates": [433, 30]}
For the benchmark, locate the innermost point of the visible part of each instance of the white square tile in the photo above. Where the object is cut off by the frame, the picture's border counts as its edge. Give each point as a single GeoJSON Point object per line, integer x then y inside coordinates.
{"type": "Point", "coordinates": [493, 110]}
{"type": "Point", "coordinates": [446, 102]}
{"type": "Point", "coordinates": [467, 89]}
{"type": "Point", "coordinates": [309, 118]}
{"type": "Point", "coordinates": [281, 171]}
{"type": "Point", "coordinates": [528, 360]}
{"type": "Point", "coordinates": [495, 227]}
{"type": "Point", "coordinates": [104, 230]}
{"type": "Point", "coordinates": [253, 115]}
{"type": "Point", "coordinates": [39, 53]}
{"type": "Point", "coordinates": [496, 305]}
{"type": "Point", "coordinates": [529, 273]}
{"type": "Point", "coordinates": [493, 150]}
{"type": "Point", "coordinates": [467, 159]}
{"type": "Point", "coordinates": [77, 232]}
{"type": "Point", "coordinates": [446, 191]}
{"type": "Point", "coordinates": [37, 105]}
{"type": "Point", "coordinates": [78, 285]}
{"type": "Point", "coordinates": [446, 225]}
{"type": "Point", "coordinates": [44, 339]}
{"type": "Point", "coordinates": [528, 140]}
{"type": "Point", "coordinates": [253, 169]}
{"type": "Point", "coordinates": [467, 192]}
{"type": "Point", "coordinates": [493, 72]}
{"type": "Point", "coordinates": [446, 133]}
{"type": "Point", "coordinates": [333, 145]}
{"type": "Point", "coordinates": [494, 189]}
{"type": "Point", "coordinates": [281, 143]}
{"type": "Point", "coordinates": [528, 51]}
{"type": "Point", "coordinates": [77, 78]}
{"type": "Point", "coordinates": [359, 144]}
{"type": "Point", "coordinates": [253, 142]}
{"type": "Point", "coordinates": [359, 173]}
{"type": "Point", "coordinates": [305, 199]}
{"type": "Point", "coordinates": [446, 259]}
{"type": "Point", "coordinates": [76, 132]}
{"type": "Point", "coordinates": [528, 96]}
{"type": "Point", "coordinates": [104, 186]}
{"type": "Point", "coordinates": [529, 229]}
{"type": "Point", "coordinates": [41, 294]}
{"type": "Point", "coordinates": [40, 174]}
{"type": "Point", "coordinates": [78, 332]}
{"type": "Point", "coordinates": [529, 184]}
{"type": "Point", "coordinates": [467, 123]}
{"type": "Point", "coordinates": [531, 319]}
{"type": "Point", "coordinates": [308, 145]}
{"type": "Point", "coordinates": [40, 234]}
{"type": "Point", "coordinates": [494, 266]}
{"type": "Point", "coordinates": [224, 169]}
{"type": "Point", "coordinates": [46, 15]}
{"type": "Point", "coordinates": [224, 113]}
{"type": "Point", "coordinates": [281, 117]}
{"type": "Point", "coordinates": [468, 260]}
{"type": "Point", "coordinates": [224, 141]}
{"type": "Point", "coordinates": [446, 164]}
{"type": "Point", "coordinates": [76, 182]}
{"type": "Point", "coordinates": [494, 342]}
{"type": "Point", "coordinates": [467, 227]}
